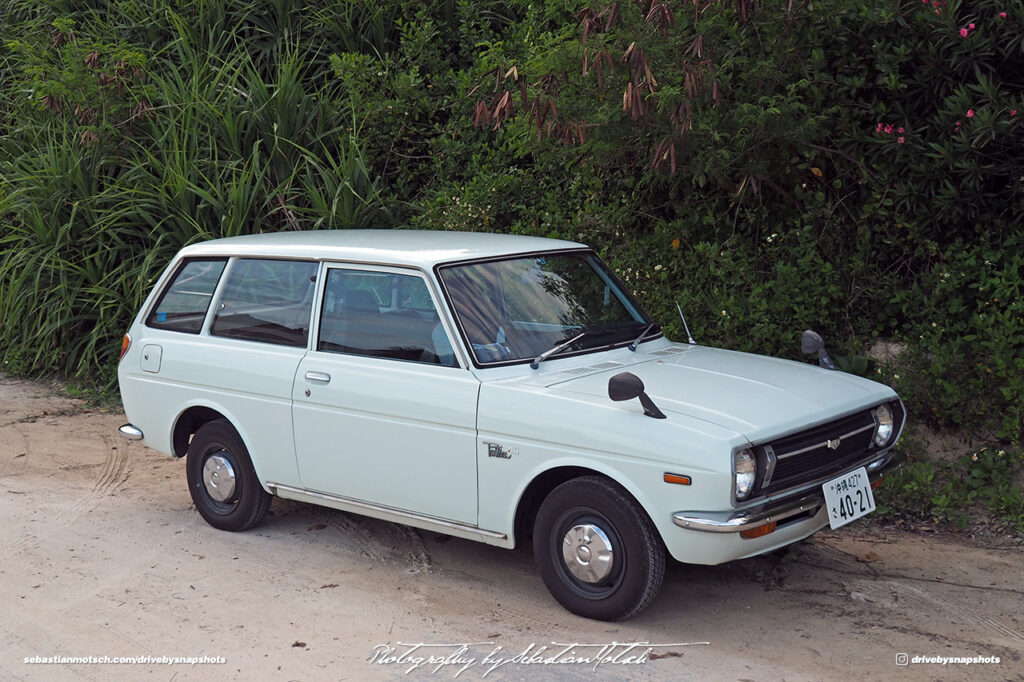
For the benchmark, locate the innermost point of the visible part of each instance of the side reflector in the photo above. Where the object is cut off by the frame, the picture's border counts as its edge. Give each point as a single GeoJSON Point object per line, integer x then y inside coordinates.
{"type": "Point", "coordinates": [759, 531]}
{"type": "Point", "coordinates": [876, 483]}
{"type": "Point", "coordinates": [677, 478]}
{"type": "Point", "coordinates": [126, 343]}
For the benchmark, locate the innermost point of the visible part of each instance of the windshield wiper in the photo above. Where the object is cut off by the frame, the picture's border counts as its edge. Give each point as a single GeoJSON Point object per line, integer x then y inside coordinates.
{"type": "Point", "coordinates": [557, 349]}
{"type": "Point", "coordinates": [640, 338]}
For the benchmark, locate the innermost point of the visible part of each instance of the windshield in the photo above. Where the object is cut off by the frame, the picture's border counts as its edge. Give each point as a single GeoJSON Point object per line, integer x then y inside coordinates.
{"type": "Point", "coordinates": [516, 309]}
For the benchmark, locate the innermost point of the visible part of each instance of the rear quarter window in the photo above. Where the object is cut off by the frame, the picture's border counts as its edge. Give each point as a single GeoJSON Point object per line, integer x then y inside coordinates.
{"type": "Point", "coordinates": [268, 301]}
{"type": "Point", "coordinates": [183, 304]}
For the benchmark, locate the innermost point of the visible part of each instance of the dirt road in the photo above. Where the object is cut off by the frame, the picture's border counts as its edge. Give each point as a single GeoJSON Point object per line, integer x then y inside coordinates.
{"type": "Point", "coordinates": [104, 556]}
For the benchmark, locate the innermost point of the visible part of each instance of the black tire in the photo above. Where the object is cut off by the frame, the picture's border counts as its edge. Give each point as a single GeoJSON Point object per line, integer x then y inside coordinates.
{"type": "Point", "coordinates": [246, 503]}
{"type": "Point", "coordinates": [627, 583]}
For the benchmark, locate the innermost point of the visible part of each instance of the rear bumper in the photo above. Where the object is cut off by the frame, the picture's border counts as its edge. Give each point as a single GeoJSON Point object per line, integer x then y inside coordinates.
{"type": "Point", "coordinates": [776, 511]}
{"type": "Point", "coordinates": [130, 432]}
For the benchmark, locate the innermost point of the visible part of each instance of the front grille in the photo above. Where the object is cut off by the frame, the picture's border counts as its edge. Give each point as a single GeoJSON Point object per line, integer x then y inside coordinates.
{"type": "Point", "coordinates": [807, 455]}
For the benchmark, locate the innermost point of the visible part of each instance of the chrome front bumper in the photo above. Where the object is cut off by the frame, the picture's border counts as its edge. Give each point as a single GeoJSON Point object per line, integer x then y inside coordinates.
{"type": "Point", "coordinates": [778, 510]}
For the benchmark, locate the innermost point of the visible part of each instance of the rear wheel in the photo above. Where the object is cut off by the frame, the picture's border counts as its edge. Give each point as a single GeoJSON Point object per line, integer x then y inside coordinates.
{"type": "Point", "coordinates": [221, 479]}
{"type": "Point", "coordinates": [598, 552]}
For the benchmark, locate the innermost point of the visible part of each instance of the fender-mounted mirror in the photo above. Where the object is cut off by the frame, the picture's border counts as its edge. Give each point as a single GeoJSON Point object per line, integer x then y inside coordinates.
{"type": "Point", "coordinates": [811, 343]}
{"type": "Point", "coordinates": [627, 386]}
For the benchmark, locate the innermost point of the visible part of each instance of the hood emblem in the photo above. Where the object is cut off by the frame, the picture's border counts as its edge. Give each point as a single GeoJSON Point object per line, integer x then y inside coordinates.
{"type": "Point", "coordinates": [833, 444]}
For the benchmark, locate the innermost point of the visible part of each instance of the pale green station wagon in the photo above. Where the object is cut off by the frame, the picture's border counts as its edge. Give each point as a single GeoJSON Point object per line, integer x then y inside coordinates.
{"type": "Point", "coordinates": [500, 388]}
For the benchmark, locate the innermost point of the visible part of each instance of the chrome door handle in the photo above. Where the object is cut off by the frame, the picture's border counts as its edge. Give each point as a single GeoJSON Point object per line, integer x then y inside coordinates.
{"type": "Point", "coordinates": [321, 377]}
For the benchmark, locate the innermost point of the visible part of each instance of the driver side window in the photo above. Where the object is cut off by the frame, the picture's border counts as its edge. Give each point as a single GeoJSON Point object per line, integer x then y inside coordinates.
{"type": "Point", "coordinates": [382, 314]}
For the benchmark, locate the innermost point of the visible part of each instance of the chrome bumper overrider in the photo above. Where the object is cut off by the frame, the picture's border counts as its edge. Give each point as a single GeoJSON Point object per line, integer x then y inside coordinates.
{"type": "Point", "coordinates": [776, 510]}
{"type": "Point", "coordinates": [130, 432]}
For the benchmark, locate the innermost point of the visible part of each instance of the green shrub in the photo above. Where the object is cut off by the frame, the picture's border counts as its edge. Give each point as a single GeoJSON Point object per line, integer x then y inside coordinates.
{"type": "Point", "coordinates": [769, 168]}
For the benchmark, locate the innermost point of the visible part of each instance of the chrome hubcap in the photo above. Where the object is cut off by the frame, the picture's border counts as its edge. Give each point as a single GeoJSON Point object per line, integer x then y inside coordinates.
{"type": "Point", "coordinates": [588, 553]}
{"type": "Point", "coordinates": [219, 477]}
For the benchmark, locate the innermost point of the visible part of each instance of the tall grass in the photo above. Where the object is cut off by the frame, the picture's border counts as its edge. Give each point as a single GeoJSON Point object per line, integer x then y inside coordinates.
{"type": "Point", "coordinates": [229, 130]}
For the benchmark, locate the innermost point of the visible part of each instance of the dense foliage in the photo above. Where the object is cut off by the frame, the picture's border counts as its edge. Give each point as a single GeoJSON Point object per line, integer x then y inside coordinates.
{"type": "Point", "coordinates": [855, 167]}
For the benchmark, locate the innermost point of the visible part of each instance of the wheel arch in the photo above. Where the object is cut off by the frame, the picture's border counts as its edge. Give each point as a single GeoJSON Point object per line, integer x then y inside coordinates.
{"type": "Point", "coordinates": [543, 483]}
{"type": "Point", "coordinates": [190, 421]}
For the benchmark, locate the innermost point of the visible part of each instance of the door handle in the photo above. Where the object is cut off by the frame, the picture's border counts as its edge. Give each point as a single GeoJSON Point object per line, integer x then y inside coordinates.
{"type": "Point", "coordinates": [320, 377]}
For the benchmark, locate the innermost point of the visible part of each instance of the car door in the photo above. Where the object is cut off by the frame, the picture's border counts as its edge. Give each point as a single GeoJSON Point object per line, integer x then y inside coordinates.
{"type": "Point", "coordinates": [383, 412]}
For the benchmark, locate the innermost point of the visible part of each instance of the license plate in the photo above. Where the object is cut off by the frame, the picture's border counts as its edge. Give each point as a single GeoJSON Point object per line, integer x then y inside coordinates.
{"type": "Point", "coordinates": [848, 497]}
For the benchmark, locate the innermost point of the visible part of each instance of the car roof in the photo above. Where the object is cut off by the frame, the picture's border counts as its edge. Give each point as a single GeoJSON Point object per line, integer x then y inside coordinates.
{"type": "Point", "coordinates": [420, 248]}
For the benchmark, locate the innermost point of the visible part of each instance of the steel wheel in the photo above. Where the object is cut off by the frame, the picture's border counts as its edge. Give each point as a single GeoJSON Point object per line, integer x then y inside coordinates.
{"type": "Point", "coordinates": [222, 481]}
{"type": "Point", "coordinates": [597, 550]}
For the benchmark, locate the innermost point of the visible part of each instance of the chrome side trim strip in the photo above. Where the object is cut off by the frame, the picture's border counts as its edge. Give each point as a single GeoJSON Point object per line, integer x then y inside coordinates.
{"type": "Point", "coordinates": [779, 510]}
{"type": "Point", "coordinates": [824, 443]}
{"type": "Point", "coordinates": [130, 432]}
{"type": "Point", "coordinates": [357, 505]}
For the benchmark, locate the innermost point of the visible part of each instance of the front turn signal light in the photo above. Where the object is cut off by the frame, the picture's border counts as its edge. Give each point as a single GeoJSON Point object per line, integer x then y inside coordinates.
{"type": "Point", "coordinates": [759, 531]}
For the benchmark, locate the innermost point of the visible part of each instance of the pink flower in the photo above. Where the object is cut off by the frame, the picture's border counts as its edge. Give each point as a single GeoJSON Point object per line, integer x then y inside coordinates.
{"type": "Point", "coordinates": [900, 131]}
{"type": "Point", "coordinates": [1013, 112]}
{"type": "Point", "coordinates": [970, 26]}
{"type": "Point", "coordinates": [970, 113]}
{"type": "Point", "coordinates": [1002, 15]}
{"type": "Point", "coordinates": [900, 140]}
{"type": "Point", "coordinates": [888, 130]}
{"type": "Point", "coordinates": [963, 33]}
{"type": "Point", "coordinates": [879, 128]}
{"type": "Point", "coordinates": [959, 123]}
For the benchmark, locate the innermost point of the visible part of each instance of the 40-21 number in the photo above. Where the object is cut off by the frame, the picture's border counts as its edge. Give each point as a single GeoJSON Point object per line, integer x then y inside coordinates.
{"type": "Point", "coordinates": [849, 509]}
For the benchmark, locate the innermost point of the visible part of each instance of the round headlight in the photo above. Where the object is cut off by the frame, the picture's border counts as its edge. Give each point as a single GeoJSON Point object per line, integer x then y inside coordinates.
{"type": "Point", "coordinates": [745, 466]}
{"type": "Point", "coordinates": [883, 434]}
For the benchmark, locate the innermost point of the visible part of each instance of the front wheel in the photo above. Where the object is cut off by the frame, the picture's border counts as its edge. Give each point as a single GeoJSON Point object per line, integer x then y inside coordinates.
{"type": "Point", "coordinates": [222, 480]}
{"type": "Point", "coordinates": [597, 551]}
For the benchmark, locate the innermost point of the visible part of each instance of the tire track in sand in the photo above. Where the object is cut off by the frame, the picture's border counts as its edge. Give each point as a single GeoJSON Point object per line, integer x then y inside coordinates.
{"type": "Point", "coordinates": [115, 470]}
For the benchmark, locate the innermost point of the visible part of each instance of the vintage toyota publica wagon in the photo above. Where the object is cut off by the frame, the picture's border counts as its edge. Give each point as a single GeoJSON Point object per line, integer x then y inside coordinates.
{"type": "Point", "coordinates": [493, 387]}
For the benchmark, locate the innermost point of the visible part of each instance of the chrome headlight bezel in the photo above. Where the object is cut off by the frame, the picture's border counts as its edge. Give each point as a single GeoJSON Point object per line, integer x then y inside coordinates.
{"type": "Point", "coordinates": [744, 473]}
{"type": "Point", "coordinates": [885, 426]}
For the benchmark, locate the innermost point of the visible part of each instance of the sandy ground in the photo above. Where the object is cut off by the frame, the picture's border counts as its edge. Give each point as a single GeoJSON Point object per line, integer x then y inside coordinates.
{"type": "Point", "coordinates": [103, 555]}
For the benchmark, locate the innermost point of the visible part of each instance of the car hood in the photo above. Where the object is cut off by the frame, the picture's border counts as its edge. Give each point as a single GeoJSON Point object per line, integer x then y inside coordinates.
{"type": "Point", "coordinates": [753, 395]}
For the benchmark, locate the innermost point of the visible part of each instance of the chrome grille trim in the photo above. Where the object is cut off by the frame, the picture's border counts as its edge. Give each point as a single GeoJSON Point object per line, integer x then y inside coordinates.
{"type": "Point", "coordinates": [769, 469]}
{"type": "Point", "coordinates": [824, 443]}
